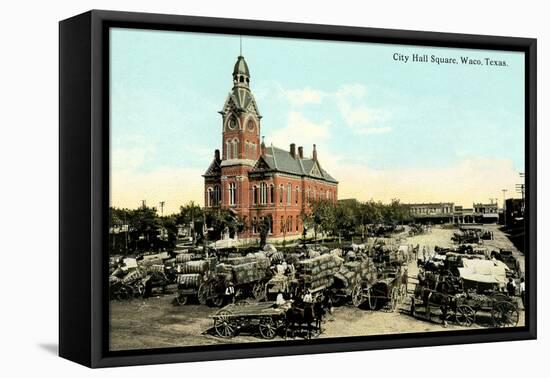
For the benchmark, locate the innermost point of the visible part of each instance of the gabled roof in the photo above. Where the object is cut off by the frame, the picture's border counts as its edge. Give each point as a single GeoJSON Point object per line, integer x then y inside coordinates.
{"type": "Point", "coordinates": [279, 160]}
{"type": "Point", "coordinates": [241, 99]}
{"type": "Point", "coordinates": [214, 169]}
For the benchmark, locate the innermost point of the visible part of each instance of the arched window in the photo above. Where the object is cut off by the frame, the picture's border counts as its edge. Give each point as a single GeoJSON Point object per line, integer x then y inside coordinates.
{"type": "Point", "coordinates": [289, 224]}
{"type": "Point", "coordinates": [297, 228]}
{"type": "Point", "coordinates": [255, 195]}
{"type": "Point", "coordinates": [263, 193]}
{"type": "Point", "coordinates": [297, 195]}
{"type": "Point", "coordinates": [289, 194]}
{"type": "Point", "coordinates": [216, 195]}
{"type": "Point", "coordinates": [282, 228]}
{"type": "Point", "coordinates": [232, 194]}
{"type": "Point", "coordinates": [209, 197]}
{"type": "Point", "coordinates": [235, 149]}
{"type": "Point", "coordinates": [271, 194]}
{"type": "Point", "coordinates": [228, 149]}
{"type": "Point", "coordinates": [281, 194]}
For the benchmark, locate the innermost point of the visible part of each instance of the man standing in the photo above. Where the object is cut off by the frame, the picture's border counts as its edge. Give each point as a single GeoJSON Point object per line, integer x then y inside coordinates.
{"type": "Point", "coordinates": [230, 293]}
{"type": "Point", "coordinates": [522, 291]}
{"type": "Point", "coordinates": [511, 287]}
{"type": "Point", "coordinates": [308, 298]}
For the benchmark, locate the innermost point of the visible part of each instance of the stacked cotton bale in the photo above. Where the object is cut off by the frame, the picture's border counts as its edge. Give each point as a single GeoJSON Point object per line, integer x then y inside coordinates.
{"type": "Point", "coordinates": [319, 271]}
{"type": "Point", "coordinates": [158, 268]}
{"type": "Point", "coordinates": [225, 271]}
{"type": "Point", "coordinates": [197, 266]}
{"type": "Point", "coordinates": [113, 280]}
{"type": "Point", "coordinates": [149, 262]}
{"type": "Point", "coordinates": [249, 272]}
{"type": "Point", "coordinates": [132, 276]}
{"type": "Point", "coordinates": [258, 258]}
{"type": "Point", "coordinates": [189, 281]}
{"type": "Point", "coordinates": [354, 272]}
{"type": "Point", "coordinates": [183, 258]}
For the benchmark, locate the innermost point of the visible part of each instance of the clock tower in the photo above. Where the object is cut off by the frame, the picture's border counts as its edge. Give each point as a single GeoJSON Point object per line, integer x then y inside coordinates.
{"type": "Point", "coordinates": [240, 120]}
{"type": "Point", "coordinates": [241, 147]}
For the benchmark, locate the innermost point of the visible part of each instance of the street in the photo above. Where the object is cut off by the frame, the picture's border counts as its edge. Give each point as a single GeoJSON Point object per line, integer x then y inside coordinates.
{"type": "Point", "coordinates": [156, 323]}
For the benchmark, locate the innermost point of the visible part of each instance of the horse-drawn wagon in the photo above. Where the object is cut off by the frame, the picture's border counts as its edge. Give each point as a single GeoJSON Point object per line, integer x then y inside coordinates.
{"type": "Point", "coordinates": [238, 277]}
{"type": "Point", "coordinates": [349, 279]}
{"type": "Point", "coordinates": [265, 318]}
{"type": "Point", "coordinates": [475, 291]}
{"type": "Point", "coordinates": [386, 288]}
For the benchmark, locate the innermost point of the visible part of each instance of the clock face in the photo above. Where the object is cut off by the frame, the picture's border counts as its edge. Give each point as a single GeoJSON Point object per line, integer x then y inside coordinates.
{"type": "Point", "coordinates": [250, 125]}
{"type": "Point", "coordinates": [232, 123]}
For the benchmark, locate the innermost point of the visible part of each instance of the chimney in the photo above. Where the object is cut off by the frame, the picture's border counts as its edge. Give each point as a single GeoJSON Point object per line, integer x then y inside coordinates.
{"type": "Point", "coordinates": [262, 147]}
{"type": "Point", "coordinates": [217, 155]}
{"type": "Point", "coordinates": [301, 152]}
{"type": "Point", "coordinates": [314, 152]}
{"type": "Point", "coordinates": [293, 150]}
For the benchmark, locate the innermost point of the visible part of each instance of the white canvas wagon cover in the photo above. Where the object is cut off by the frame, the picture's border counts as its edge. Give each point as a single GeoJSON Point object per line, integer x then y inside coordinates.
{"type": "Point", "coordinates": [485, 271]}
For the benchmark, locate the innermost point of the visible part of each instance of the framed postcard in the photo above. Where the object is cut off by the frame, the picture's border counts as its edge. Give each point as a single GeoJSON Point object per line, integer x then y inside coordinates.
{"type": "Point", "coordinates": [234, 188]}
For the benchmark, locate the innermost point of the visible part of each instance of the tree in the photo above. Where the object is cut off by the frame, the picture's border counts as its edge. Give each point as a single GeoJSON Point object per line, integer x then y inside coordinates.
{"type": "Point", "coordinates": [322, 215]}
{"type": "Point", "coordinates": [220, 220]}
{"type": "Point", "coordinates": [191, 214]}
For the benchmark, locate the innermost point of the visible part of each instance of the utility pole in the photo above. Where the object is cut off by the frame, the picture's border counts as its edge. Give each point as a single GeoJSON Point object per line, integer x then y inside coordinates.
{"type": "Point", "coordinates": [126, 229]}
{"type": "Point", "coordinates": [161, 205]}
{"type": "Point", "coordinates": [204, 234]}
{"type": "Point", "coordinates": [504, 205]}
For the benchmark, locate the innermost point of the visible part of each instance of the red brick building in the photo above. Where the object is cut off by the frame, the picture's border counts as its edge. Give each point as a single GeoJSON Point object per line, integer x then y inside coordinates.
{"type": "Point", "coordinates": [257, 182]}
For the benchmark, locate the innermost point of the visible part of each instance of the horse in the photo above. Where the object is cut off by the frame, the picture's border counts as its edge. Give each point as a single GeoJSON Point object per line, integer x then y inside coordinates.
{"type": "Point", "coordinates": [296, 317]}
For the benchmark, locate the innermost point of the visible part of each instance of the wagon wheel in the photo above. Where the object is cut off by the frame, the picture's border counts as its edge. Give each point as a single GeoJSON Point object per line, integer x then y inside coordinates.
{"type": "Point", "coordinates": [357, 296]}
{"type": "Point", "coordinates": [258, 291]}
{"type": "Point", "coordinates": [394, 299]}
{"type": "Point", "coordinates": [203, 293]}
{"type": "Point", "coordinates": [505, 314]}
{"type": "Point", "coordinates": [124, 293]}
{"type": "Point", "coordinates": [372, 300]}
{"type": "Point", "coordinates": [224, 324]}
{"type": "Point", "coordinates": [216, 300]}
{"type": "Point", "coordinates": [465, 315]}
{"type": "Point", "coordinates": [181, 299]}
{"type": "Point", "coordinates": [268, 327]}
{"type": "Point", "coordinates": [140, 289]}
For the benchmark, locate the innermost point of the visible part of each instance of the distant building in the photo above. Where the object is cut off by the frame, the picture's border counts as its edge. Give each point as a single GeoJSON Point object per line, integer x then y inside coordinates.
{"type": "Point", "coordinates": [514, 211]}
{"type": "Point", "coordinates": [441, 212]}
{"type": "Point", "coordinates": [448, 212]}
{"type": "Point", "coordinates": [486, 212]}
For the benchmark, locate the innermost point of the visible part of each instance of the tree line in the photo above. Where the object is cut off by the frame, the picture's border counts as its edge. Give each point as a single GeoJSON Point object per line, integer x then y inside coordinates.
{"type": "Point", "coordinates": [134, 231]}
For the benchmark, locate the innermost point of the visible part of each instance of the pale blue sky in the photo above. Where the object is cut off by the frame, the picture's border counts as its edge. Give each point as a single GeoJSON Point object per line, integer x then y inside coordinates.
{"type": "Point", "coordinates": [353, 99]}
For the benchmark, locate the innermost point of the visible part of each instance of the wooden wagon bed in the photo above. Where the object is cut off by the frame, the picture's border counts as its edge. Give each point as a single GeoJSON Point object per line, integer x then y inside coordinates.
{"type": "Point", "coordinates": [266, 317]}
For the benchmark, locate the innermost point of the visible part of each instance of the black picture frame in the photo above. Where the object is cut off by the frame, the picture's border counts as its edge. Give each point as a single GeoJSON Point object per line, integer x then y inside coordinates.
{"type": "Point", "coordinates": [84, 183]}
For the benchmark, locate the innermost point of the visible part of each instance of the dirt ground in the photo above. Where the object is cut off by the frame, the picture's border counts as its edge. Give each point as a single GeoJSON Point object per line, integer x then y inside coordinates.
{"type": "Point", "coordinates": [156, 323]}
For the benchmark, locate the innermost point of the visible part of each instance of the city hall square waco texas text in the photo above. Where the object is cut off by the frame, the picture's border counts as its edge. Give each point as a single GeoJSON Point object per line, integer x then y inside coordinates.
{"type": "Point", "coordinates": [270, 189]}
